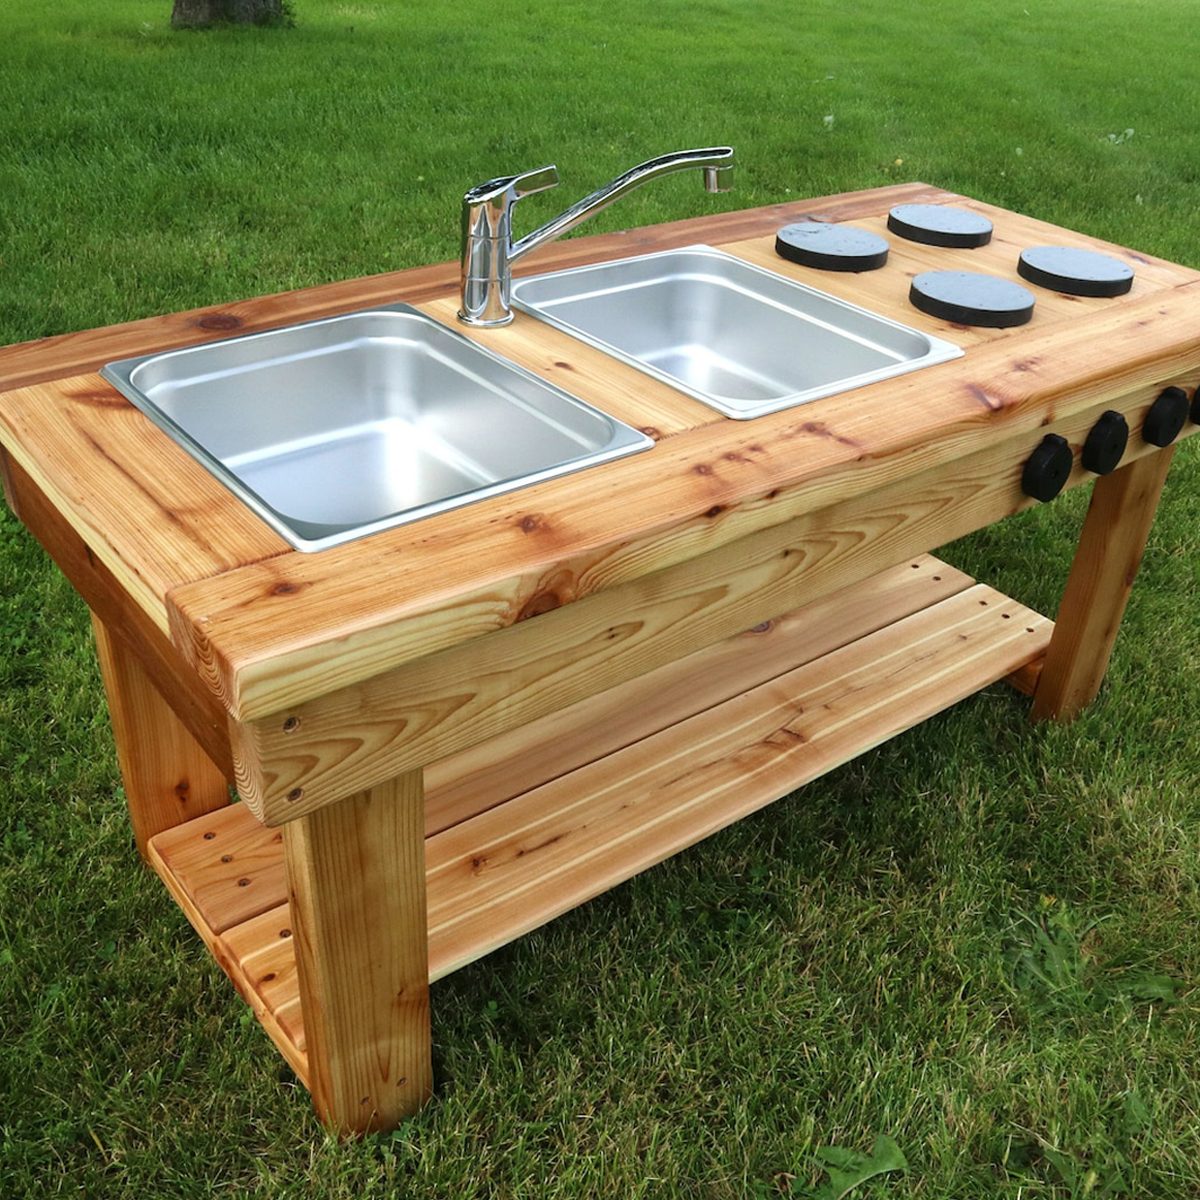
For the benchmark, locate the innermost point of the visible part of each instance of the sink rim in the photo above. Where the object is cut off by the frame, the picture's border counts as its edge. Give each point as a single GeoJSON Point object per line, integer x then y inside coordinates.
{"type": "Point", "coordinates": [623, 439]}
{"type": "Point", "coordinates": [939, 349]}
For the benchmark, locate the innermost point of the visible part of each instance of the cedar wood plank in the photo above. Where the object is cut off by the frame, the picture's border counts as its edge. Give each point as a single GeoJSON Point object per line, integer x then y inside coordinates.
{"type": "Point", "coordinates": [265, 635]}
{"type": "Point", "coordinates": [440, 704]}
{"type": "Point", "coordinates": [87, 350]}
{"type": "Point", "coordinates": [216, 630]}
{"type": "Point", "coordinates": [196, 706]}
{"type": "Point", "coordinates": [56, 447]}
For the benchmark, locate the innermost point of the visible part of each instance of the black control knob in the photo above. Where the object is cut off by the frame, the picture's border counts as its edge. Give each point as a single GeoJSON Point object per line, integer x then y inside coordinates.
{"type": "Point", "coordinates": [1106, 443]}
{"type": "Point", "coordinates": [1166, 417]}
{"type": "Point", "coordinates": [1047, 468]}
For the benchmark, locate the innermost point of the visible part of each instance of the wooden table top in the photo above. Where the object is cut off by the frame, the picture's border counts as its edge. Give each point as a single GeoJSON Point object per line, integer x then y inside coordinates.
{"type": "Point", "coordinates": [266, 626]}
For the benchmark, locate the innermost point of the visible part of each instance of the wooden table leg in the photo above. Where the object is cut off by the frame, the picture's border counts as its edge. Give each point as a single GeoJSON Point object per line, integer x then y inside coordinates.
{"type": "Point", "coordinates": [356, 886]}
{"type": "Point", "coordinates": [6, 484]}
{"type": "Point", "coordinates": [1102, 574]}
{"type": "Point", "coordinates": [167, 776]}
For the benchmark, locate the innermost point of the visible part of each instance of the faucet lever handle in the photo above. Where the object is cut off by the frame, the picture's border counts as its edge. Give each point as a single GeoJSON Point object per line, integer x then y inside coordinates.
{"type": "Point", "coordinates": [540, 179]}
{"type": "Point", "coordinates": [507, 189]}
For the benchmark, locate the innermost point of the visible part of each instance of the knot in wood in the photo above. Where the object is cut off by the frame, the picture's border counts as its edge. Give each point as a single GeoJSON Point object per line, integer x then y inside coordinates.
{"type": "Point", "coordinates": [532, 523]}
{"type": "Point", "coordinates": [539, 603]}
{"type": "Point", "coordinates": [219, 322]}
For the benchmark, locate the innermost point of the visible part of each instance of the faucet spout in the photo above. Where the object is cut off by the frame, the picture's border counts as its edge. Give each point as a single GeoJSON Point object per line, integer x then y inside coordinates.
{"type": "Point", "coordinates": [713, 161]}
{"type": "Point", "coordinates": [488, 246]}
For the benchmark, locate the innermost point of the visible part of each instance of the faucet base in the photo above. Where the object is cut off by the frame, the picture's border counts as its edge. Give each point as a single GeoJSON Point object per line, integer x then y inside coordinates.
{"type": "Point", "coordinates": [480, 323]}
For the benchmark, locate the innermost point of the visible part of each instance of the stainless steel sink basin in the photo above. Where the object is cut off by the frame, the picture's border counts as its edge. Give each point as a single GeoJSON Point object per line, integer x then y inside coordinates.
{"type": "Point", "coordinates": [337, 428]}
{"type": "Point", "coordinates": [741, 339]}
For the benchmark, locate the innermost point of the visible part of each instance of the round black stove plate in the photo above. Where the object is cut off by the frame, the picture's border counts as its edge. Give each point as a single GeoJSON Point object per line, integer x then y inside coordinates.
{"type": "Point", "coordinates": [940, 225]}
{"type": "Point", "coordinates": [1076, 272]}
{"type": "Point", "coordinates": [970, 299]}
{"type": "Point", "coordinates": [831, 247]}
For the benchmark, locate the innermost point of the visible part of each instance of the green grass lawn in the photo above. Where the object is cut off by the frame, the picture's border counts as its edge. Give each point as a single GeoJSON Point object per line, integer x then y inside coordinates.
{"type": "Point", "coordinates": [980, 940]}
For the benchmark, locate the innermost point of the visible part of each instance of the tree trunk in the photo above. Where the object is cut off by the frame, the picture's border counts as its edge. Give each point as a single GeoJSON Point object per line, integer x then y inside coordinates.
{"type": "Point", "coordinates": [196, 14]}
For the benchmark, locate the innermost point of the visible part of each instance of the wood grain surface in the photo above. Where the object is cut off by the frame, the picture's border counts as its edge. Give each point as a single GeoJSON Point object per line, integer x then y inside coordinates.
{"type": "Point", "coordinates": [143, 507]}
{"type": "Point", "coordinates": [168, 778]}
{"type": "Point", "coordinates": [297, 626]}
{"type": "Point", "coordinates": [1102, 576]}
{"type": "Point", "coordinates": [356, 895]}
{"type": "Point", "coordinates": [535, 752]}
{"type": "Point", "coordinates": [87, 350]}
{"type": "Point", "coordinates": [267, 628]}
{"type": "Point", "coordinates": [279, 1014]}
{"type": "Point", "coordinates": [194, 704]}
{"type": "Point", "coordinates": [498, 874]}
{"type": "Point", "coordinates": [441, 704]}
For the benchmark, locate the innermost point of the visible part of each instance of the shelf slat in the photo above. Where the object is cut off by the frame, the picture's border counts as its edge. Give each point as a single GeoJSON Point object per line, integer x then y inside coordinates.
{"type": "Point", "coordinates": [232, 870]}
{"type": "Point", "coordinates": [504, 871]}
{"type": "Point", "coordinates": [476, 779]}
{"type": "Point", "coordinates": [240, 953]}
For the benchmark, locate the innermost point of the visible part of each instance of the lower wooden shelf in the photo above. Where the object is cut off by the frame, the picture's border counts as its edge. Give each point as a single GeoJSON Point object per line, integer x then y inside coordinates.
{"type": "Point", "coordinates": [626, 779]}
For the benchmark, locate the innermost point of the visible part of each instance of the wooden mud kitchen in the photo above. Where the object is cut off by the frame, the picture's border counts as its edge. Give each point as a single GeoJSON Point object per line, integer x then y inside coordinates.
{"type": "Point", "coordinates": [448, 732]}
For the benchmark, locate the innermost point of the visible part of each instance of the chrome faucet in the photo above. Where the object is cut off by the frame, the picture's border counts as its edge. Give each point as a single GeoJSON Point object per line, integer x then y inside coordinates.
{"type": "Point", "coordinates": [488, 249]}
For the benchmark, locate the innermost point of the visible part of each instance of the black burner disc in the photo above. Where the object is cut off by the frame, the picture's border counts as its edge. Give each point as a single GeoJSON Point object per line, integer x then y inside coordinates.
{"type": "Point", "coordinates": [831, 247]}
{"type": "Point", "coordinates": [1076, 272]}
{"type": "Point", "coordinates": [940, 225]}
{"type": "Point", "coordinates": [970, 299]}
